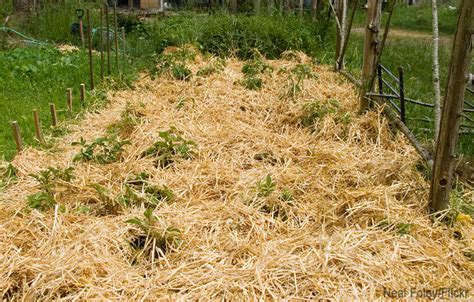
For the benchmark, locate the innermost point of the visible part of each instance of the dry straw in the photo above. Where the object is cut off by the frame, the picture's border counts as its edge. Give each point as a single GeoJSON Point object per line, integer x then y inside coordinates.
{"type": "Point", "coordinates": [354, 188]}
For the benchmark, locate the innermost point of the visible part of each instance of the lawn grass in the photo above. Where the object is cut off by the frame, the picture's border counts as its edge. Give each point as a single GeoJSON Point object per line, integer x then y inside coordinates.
{"type": "Point", "coordinates": [418, 18]}
{"type": "Point", "coordinates": [31, 79]}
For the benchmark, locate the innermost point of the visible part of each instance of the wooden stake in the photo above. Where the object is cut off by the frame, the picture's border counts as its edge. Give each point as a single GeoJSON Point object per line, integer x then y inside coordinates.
{"type": "Point", "coordinates": [39, 136]}
{"type": "Point", "coordinates": [124, 48]}
{"type": "Point", "coordinates": [17, 136]}
{"type": "Point", "coordinates": [83, 93]}
{"type": "Point", "coordinates": [341, 15]}
{"type": "Point", "coordinates": [107, 37]}
{"type": "Point", "coordinates": [89, 42]}
{"type": "Point", "coordinates": [102, 43]}
{"type": "Point", "coordinates": [116, 37]}
{"type": "Point", "coordinates": [69, 100]}
{"type": "Point", "coordinates": [54, 115]}
{"type": "Point", "coordinates": [371, 45]}
{"type": "Point", "coordinates": [443, 168]}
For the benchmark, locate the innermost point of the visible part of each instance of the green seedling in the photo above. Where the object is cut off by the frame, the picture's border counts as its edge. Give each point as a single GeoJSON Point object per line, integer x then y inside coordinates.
{"type": "Point", "coordinates": [103, 150]}
{"type": "Point", "coordinates": [42, 201]}
{"type": "Point", "coordinates": [252, 83]}
{"type": "Point", "coordinates": [171, 147]}
{"type": "Point", "coordinates": [212, 68]}
{"type": "Point", "coordinates": [265, 187]}
{"type": "Point", "coordinates": [129, 119]}
{"type": "Point", "coordinates": [8, 173]}
{"type": "Point", "coordinates": [181, 72]}
{"type": "Point", "coordinates": [153, 237]}
{"type": "Point", "coordinates": [48, 180]}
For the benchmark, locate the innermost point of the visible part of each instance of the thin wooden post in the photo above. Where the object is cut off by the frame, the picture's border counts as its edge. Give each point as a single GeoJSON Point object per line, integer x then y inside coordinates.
{"type": "Point", "coordinates": [233, 6]}
{"type": "Point", "coordinates": [341, 14]}
{"type": "Point", "coordinates": [54, 115]}
{"type": "Point", "coordinates": [101, 43]}
{"type": "Point", "coordinates": [17, 136]}
{"type": "Point", "coordinates": [83, 93]}
{"type": "Point", "coordinates": [36, 119]}
{"type": "Point", "coordinates": [124, 49]}
{"type": "Point", "coordinates": [69, 99]}
{"type": "Point", "coordinates": [445, 155]}
{"type": "Point", "coordinates": [107, 37]}
{"type": "Point", "coordinates": [402, 94]}
{"type": "Point", "coordinates": [89, 40]}
{"type": "Point", "coordinates": [380, 78]}
{"type": "Point", "coordinates": [371, 46]}
{"type": "Point", "coordinates": [116, 37]}
{"type": "Point", "coordinates": [314, 8]}
{"type": "Point", "coordinates": [348, 32]}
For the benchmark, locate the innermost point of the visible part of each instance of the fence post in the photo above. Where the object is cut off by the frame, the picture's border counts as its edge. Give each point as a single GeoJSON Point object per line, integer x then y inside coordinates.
{"type": "Point", "coordinates": [441, 181]}
{"type": "Point", "coordinates": [402, 94]}
{"type": "Point", "coordinates": [17, 136]}
{"type": "Point", "coordinates": [83, 93]}
{"type": "Point", "coordinates": [371, 47]}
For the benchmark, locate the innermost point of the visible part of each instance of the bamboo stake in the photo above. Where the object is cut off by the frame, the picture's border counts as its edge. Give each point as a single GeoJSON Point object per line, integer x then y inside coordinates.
{"type": "Point", "coordinates": [17, 136]}
{"type": "Point", "coordinates": [36, 119]}
{"type": "Point", "coordinates": [89, 42]}
{"type": "Point", "coordinates": [54, 115]}
{"type": "Point", "coordinates": [69, 100]}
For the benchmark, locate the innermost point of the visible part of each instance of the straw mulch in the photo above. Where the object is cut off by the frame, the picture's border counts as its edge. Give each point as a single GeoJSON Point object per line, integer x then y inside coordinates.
{"type": "Point", "coordinates": [353, 221]}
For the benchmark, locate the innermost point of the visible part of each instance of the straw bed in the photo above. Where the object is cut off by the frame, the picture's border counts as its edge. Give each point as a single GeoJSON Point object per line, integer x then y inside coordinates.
{"type": "Point", "coordinates": [353, 185]}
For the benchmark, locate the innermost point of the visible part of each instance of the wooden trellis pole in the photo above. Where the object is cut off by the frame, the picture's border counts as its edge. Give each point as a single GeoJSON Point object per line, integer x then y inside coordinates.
{"type": "Point", "coordinates": [89, 43]}
{"type": "Point", "coordinates": [341, 15]}
{"type": "Point", "coordinates": [445, 155]}
{"type": "Point", "coordinates": [371, 50]}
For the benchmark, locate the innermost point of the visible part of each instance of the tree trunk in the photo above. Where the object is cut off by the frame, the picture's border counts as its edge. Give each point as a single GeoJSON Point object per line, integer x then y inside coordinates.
{"type": "Point", "coordinates": [441, 182]}
{"type": "Point", "coordinates": [436, 84]}
{"type": "Point", "coordinates": [371, 46]}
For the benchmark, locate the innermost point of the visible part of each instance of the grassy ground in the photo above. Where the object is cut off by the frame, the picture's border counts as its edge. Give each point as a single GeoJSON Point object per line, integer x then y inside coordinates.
{"type": "Point", "coordinates": [418, 18]}
{"type": "Point", "coordinates": [31, 79]}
